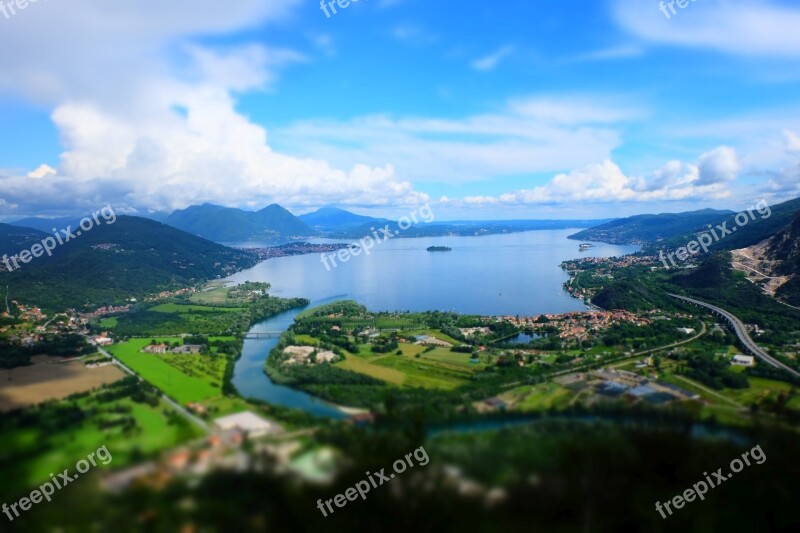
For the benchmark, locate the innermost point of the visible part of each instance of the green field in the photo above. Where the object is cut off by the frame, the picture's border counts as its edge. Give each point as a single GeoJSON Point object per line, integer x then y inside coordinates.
{"type": "Point", "coordinates": [425, 374]}
{"type": "Point", "coordinates": [187, 308]}
{"type": "Point", "coordinates": [373, 369]}
{"type": "Point", "coordinates": [540, 397]}
{"type": "Point", "coordinates": [63, 448]}
{"type": "Point", "coordinates": [108, 323]}
{"type": "Point", "coordinates": [166, 377]}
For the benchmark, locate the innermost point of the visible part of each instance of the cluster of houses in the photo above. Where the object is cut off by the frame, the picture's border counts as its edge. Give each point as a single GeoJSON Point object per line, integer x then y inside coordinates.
{"type": "Point", "coordinates": [576, 325]}
{"type": "Point", "coordinates": [308, 355]}
{"type": "Point", "coordinates": [162, 348]}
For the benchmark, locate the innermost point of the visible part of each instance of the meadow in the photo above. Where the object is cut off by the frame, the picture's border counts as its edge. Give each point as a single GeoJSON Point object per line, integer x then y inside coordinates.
{"type": "Point", "coordinates": [169, 378]}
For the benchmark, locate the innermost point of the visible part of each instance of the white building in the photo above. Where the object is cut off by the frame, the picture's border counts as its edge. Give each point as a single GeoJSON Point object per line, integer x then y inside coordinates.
{"type": "Point", "coordinates": [743, 360]}
{"type": "Point", "coordinates": [248, 422]}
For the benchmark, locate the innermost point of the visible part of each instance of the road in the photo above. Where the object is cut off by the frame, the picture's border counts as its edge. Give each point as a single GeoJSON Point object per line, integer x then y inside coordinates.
{"type": "Point", "coordinates": [741, 332]}
{"type": "Point", "coordinates": [175, 405]}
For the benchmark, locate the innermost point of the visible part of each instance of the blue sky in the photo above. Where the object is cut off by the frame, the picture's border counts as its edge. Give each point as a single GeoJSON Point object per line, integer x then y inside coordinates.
{"type": "Point", "coordinates": [512, 109]}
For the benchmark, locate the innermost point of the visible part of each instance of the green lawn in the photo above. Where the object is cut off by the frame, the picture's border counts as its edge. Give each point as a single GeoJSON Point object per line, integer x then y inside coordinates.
{"type": "Point", "coordinates": [759, 388]}
{"type": "Point", "coordinates": [166, 377]}
{"type": "Point", "coordinates": [375, 370]}
{"type": "Point", "coordinates": [444, 355]}
{"type": "Point", "coordinates": [108, 323]}
{"type": "Point", "coordinates": [66, 447]}
{"type": "Point", "coordinates": [426, 374]}
{"type": "Point", "coordinates": [540, 397]}
{"type": "Point", "coordinates": [187, 308]}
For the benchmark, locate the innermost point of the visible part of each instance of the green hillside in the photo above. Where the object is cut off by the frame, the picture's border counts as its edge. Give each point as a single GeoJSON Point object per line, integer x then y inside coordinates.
{"type": "Point", "coordinates": [226, 224]}
{"type": "Point", "coordinates": [650, 228]}
{"type": "Point", "coordinates": [112, 263]}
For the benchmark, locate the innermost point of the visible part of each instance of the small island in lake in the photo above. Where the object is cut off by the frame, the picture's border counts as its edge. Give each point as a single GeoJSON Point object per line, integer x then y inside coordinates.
{"type": "Point", "coordinates": [439, 249]}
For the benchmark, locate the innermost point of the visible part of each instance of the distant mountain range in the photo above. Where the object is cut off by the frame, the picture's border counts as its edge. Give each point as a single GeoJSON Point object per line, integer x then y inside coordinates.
{"type": "Point", "coordinates": [276, 225]}
{"type": "Point", "coordinates": [112, 263]}
{"type": "Point", "coordinates": [228, 224]}
{"type": "Point", "coordinates": [334, 220]}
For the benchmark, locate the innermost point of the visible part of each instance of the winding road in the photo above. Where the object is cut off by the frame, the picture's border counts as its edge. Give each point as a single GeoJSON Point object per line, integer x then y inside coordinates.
{"type": "Point", "coordinates": [741, 332]}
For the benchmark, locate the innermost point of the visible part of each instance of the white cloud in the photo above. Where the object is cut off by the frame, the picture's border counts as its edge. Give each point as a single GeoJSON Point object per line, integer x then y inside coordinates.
{"type": "Point", "coordinates": [491, 61]}
{"type": "Point", "coordinates": [41, 171]}
{"type": "Point", "coordinates": [744, 27]}
{"type": "Point", "coordinates": [147, 116]}
{"type": "Point", "coordinates": [606, 182]}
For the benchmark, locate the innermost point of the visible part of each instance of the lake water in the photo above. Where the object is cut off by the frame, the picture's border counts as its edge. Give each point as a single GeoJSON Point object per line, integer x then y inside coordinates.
{"type": "Point", "coordinates": [507, 274]}
{"type": "Point", "coordinates": [510, 274]}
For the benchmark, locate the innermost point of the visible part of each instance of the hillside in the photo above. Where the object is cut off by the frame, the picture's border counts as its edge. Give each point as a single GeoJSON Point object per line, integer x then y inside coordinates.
{"type": "Point", "coordinates": [112, 263]}
{"type": "Point", "coordinates": [774, 263]}
{"type": "Point", "coordinates": [13, 239]}
{"type": "Point", "coordinates": [228, 224]}
{"type": "Point", "coordinates": [331, 219]}
{"type": "Point", "coordinates": [641, 229]}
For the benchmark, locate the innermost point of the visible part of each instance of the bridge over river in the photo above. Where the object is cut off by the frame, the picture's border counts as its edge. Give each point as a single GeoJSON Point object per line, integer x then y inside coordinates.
{"type": "Point", "coordinates": [263, 334]}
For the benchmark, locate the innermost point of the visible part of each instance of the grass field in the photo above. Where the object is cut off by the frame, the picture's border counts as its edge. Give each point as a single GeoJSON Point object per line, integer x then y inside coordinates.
{"type": "Point", "coordinates": [540, 397]}
{"type": "Point", "coordinates": [186, 308]}
{"type": "Point", "coordinates": [166, 377]}
{"type": "Point", "coordinates": [759, 389]}
{"type": "Point", "coordinates": [108, 323]}
{"type": "Point", "coordinates": [215, 293]}
{"type": "Point", "coordinates": [373, 369]}
{"type": "Point", "coordinates": [66, 447]}
{"type": "Point", "coordinates": [444, 355]}
{"type": "Point", "coordinates": [426, 374]}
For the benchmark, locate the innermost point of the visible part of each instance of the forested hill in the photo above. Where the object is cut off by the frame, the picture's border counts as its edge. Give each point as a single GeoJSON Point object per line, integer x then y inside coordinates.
{"type": "Point", "coordinates": [113, 262]}
{"type": "Point", "coordinates": [641, 229]}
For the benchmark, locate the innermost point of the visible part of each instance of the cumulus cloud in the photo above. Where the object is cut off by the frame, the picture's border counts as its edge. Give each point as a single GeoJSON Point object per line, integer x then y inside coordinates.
{"type": "Point", "coordinates": [147, 115]}
{"type": "Point", "coordinates": [606, 182]}
{"type": "Point", "coordinates": [743, 27]}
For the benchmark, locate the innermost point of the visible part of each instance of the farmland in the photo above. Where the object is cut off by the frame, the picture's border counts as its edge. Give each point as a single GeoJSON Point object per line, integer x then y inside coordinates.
{"type": "Point", "coordinates": [170, 375]}
{"type": "Point", "coordinates": [48, 438]}
{"type": "Point", "coordinates": [46, 380]}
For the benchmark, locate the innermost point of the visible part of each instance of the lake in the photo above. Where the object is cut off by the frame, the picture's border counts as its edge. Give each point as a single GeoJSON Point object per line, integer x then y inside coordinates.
{"type": "Point", "coordinates": [510, 274]}
{"type": "Point", "coordinates": [507, 274]}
